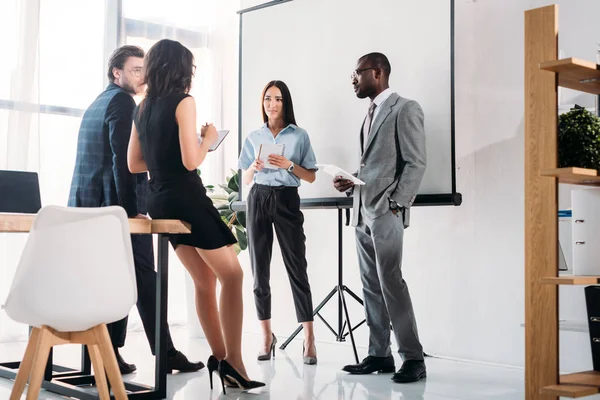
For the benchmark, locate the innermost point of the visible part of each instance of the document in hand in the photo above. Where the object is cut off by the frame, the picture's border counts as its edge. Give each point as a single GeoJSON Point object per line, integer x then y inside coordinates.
{"type": "Point", "coordinates": [334, 171]}
{"type": "Point", "coordinates": [266, 150]}
{"type": "Point", "coordinates": [221, 136]}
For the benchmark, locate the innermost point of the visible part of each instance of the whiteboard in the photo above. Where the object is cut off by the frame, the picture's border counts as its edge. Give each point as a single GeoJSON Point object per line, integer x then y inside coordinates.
{"type": "Point", "coordinates": [313, 46]}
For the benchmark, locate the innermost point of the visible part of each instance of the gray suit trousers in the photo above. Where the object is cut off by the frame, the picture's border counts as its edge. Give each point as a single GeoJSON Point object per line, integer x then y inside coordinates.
{"type": "Point", "coordinates": [386, 297]}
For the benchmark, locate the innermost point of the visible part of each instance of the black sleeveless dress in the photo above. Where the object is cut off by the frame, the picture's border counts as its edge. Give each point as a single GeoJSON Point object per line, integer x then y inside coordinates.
{"type": "Point", "coordinates": [174, 191]}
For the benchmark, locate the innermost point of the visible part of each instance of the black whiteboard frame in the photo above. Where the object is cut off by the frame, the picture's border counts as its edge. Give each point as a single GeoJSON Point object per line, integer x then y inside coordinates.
{"type": "Point", "coordinates": [443, 199]}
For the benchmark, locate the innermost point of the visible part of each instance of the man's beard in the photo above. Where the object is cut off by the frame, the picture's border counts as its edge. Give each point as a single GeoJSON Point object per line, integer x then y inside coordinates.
{"type": "Point", "coordinates": [128, 88]}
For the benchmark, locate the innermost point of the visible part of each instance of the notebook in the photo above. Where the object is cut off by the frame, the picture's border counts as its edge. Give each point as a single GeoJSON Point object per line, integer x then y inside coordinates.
{"type": "Point", "coordinates": [221, 136]}
{"type": "Point", "coordinates": [266, 150]}
{"type": "Point", "coordinates": [334, 171]}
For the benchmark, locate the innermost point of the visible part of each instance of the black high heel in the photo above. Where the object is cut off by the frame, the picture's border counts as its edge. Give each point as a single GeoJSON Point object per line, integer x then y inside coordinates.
{"type": "Point", "coordinates": [213, 366]}
{"type": "Point", "coordinates": [228, 372]}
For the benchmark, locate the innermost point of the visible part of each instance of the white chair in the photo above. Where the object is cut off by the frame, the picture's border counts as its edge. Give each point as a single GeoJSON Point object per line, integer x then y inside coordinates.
{"type": "Point", "coordinates": [76, 274]}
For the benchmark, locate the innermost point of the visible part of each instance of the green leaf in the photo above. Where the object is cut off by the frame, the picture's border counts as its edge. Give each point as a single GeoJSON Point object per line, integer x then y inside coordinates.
{"type": "Point", "coordinates": [233, 183]}
{"type": "Point", "coordinates": [242, 238]}
{"type": "Point", "coordinates": [233, 197]}
{"type": "Point", "coordinates": [218, 197]}
{"type": "Point", "coordinates": [226, 214]}
{"type": "Point", "coordinates": [226, 188]}
{"type": "Point", "coordinates": [241, 217]}
{"type": "Point", "coordinates": [237, 248]}
{"type": "Point", "coordinates": [224, 206]}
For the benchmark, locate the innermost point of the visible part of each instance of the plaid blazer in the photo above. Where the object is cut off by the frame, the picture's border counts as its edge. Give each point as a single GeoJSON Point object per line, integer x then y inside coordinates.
{"type": "Point", "coordinates": [101, 176]}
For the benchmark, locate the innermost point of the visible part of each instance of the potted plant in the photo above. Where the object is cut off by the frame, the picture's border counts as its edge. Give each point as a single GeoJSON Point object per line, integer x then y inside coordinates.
{"type": "Point", "coordinates": [235, 220]}
{"type": "Point", "coordinates": [579, 139]}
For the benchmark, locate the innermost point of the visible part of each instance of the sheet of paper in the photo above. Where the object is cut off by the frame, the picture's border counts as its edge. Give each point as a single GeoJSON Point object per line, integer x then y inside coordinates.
{"type": "Point", "coordinates": [221, 136]}
{"type": "Point", "coordinates": [334, 171]}
{"type": "Point", "coordinates": [266, 150]}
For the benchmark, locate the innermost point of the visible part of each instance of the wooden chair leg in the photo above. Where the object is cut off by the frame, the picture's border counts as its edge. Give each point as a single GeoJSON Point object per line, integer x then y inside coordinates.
{"type": "Point", "coordinates": [99, 373]}
{"type": "Point", "coordinates": [110, 362]}
{"type": "Point", "coordinates": [25, 366]}
{"type": "Point", "coordinates": [40, 359]}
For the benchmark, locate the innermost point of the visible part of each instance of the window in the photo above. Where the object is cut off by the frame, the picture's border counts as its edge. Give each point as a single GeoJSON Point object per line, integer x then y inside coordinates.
{"type": "Point", "coordinates": [64, 78]}
{"type": "Point", "coordinates": [52, 69]}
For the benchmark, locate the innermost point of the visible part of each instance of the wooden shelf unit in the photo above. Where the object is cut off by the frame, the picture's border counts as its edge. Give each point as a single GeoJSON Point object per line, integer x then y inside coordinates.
{"type": "Point", "coordinates": [543, 73]}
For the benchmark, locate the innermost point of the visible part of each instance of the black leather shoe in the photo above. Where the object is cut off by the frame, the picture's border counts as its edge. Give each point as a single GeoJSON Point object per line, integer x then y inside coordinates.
{"type": "Point", "coordinates": [411, 371]}
{"type": "Point", "coordinates": [180, 363]}
{"type": "Point", "coordinates": [123, 366]}
{"type": "Point", "coordinates": [372, 364]}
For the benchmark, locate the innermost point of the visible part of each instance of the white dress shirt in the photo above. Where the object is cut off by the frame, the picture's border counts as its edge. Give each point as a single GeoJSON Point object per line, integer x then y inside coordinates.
{"type": "Point", "coordinates": [381, 97]}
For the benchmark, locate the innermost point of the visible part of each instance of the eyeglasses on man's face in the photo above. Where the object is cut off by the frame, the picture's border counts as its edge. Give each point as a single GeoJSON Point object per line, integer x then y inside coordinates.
{"type": "Point", "coordinates": [359, 71]}
{"type": "Point", "coordinates": [137, 72]}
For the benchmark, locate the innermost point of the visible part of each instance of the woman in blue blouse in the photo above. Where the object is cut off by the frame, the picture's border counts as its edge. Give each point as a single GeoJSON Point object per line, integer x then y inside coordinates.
{"type": "Point", "coordinates": [274, 201]}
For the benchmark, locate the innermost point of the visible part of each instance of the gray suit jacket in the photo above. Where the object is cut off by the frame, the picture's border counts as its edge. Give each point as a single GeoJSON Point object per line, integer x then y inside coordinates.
{"type": "Point", "coordinates": [394, 161]}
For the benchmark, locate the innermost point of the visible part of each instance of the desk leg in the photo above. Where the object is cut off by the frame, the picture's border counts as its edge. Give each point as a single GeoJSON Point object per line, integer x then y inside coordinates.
{"type": "Point", "coordinates": [160, 371]}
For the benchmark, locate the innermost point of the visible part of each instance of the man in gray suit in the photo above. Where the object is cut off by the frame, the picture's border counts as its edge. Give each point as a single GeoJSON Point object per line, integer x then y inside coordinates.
{"type": "Point", "coordinates": [392, 164]}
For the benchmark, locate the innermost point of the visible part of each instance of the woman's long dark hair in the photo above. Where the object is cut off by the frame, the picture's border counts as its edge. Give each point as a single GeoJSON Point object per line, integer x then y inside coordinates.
{"type": "Point", "coordinates": [168, 69]}
{"type": "Point", "coordinates": [288, 106]}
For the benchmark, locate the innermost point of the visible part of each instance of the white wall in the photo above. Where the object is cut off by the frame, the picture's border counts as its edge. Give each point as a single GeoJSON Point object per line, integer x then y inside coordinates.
{"type": "Point", "coordinates": [464, 265]}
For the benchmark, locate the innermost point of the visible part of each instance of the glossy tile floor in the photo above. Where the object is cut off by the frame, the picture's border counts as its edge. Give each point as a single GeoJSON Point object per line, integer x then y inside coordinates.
{"type": "Point", "coordinates": [289, 378]}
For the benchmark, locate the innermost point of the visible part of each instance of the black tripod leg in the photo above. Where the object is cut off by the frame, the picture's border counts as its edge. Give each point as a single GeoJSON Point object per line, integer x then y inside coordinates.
{"type": "Point", "coordinates": [359, 300]}
{"type": "Point", "coordinates": [315, 312]}
{"type": "Point", "coordinates": [354, 296]}
{"type": "Point", "coordinates": [349, 324]}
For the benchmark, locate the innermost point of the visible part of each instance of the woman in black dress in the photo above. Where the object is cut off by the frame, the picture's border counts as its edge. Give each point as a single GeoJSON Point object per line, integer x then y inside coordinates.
{"type": "Point", "coordinates": [164, 142]}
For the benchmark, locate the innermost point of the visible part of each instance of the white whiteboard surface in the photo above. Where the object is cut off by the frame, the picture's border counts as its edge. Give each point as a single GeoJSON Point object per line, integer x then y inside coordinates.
{"type": "Point", "coordinates": [313, 46]}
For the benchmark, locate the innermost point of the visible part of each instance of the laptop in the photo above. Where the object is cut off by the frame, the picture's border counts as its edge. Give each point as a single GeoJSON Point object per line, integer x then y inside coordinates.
{"type": "Point", "coordinates": [19, 192]}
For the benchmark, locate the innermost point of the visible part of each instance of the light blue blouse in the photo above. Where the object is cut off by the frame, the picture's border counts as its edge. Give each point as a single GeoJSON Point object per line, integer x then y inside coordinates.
{"type": "Point", "coordinates": [297, 149]}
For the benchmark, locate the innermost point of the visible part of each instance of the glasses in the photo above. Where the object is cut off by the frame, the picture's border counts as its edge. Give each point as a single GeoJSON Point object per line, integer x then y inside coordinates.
{"type": "Point", "coordinates": [137, 72]}
{"type": "Point", "coordinates": [357, 72]}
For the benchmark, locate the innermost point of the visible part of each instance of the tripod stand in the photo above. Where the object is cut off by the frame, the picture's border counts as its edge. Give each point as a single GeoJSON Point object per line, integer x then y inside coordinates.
{"type": "Point", "coordinates": [343, 317]}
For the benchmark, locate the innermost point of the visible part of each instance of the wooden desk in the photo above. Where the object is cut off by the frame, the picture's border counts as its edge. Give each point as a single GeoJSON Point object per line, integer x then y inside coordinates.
{"type": "Point", "coordinates": [21, 223]}
{"type": "Point", "coordinates": [68, 382]}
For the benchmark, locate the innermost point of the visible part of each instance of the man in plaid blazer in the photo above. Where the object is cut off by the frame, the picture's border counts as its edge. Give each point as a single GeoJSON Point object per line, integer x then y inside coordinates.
{"type": "Point", "coordinates": [102, 178]}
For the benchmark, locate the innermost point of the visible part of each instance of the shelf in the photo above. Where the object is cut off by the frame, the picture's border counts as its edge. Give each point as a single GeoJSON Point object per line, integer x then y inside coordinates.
{"type": "Point", "coordinates": [571, 326]}
{"type": "Point", "coordinates": [571, 391]}
{"type": "Point", "coordinates": [572, 280]}
{"type": "Point", "coordinates": [575, 74]}
{"type": "Point", "coordinates": [576, 385]}
{"type": "Point", "coordinates": [587, 378]}
{"type": "Point", "coordinates": [574, 175]}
